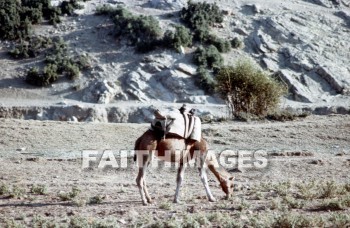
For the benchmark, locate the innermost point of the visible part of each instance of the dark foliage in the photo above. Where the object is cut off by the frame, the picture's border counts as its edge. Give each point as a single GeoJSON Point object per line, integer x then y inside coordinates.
{"type": "Point", "coordinates": [199, 17]}
{"type": "Point", "coordinates": [208, 57]}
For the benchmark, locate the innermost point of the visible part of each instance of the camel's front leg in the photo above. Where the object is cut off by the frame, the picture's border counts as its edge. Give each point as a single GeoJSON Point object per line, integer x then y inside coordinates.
{"type": "Point", "coordinates": [204, 179]}
{"type": "Point", "coordinates": [140, 180]}
{"type": "Point", "coordinates": [140, 183]}
{"type": "Point", "coordinates": [180, 177]}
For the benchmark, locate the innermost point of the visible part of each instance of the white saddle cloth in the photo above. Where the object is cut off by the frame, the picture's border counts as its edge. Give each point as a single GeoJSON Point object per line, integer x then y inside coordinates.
{"type": "Point", "coordinates": [184, 125]}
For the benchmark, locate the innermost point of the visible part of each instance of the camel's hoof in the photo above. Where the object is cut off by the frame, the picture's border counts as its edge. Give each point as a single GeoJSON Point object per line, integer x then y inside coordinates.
{"type": "Point", "coordinates": [176, 201]}
{"type": "Point", "coordinates": [144, 203]}
{"type": "Point", "coordinates": [149, 201]}
{"type": "Point", "coordinates": [212, 199]}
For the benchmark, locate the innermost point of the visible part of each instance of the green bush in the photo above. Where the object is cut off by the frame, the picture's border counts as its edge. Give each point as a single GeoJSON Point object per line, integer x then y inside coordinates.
{"type": "Point", "coordinates": [68, 7]}
{"type": "Point", "coordinates": [53, 15]}
{"type": "Point", "coordinates": [236, 43]}
{"type": "Point", "coordinates": [222, 45]}
{"type": "Point", "coordinates": [83, 62]}
{"type": "Point", "coordinates": [50, 73]}
{"type": "Point", "coordinates": [21, 51]}
{"type": "Point", "coordinates": [247, 89]}
{"type": "Point", "coordinates": [181, 37]}
{"type": "Point", "coordinates": [34, 15]}
{"type": "Point", "coordinates": [30, 48]}
{"type": "Point", "coordinates": [106, 10]}
{"type": "Point", "coordinates": [199, 17]}
{"type": "Point", "coordinates": [72, 71]}
{"type": "Point", "coordinates": [205, 80]}
{"type": "Point", "coordinates": [58, 53]}
{"type": "Point", "coordinates": [34, 77]}
{"type": "Point", "coordinates": [10, 19]}
{"type": "Point", "coordinates": [17, 17]}
{"type": "Point", "coordinates": [139, 30]}
{"type": "Point", "coordinates": [208, 57]}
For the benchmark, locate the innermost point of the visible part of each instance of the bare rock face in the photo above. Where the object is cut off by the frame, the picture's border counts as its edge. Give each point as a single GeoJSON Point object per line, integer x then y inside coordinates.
{"type": "Point", "coordinates": [101, 92]}
{"type": "Point", "coordinates": [159, 78]}
{"type": "Point", "coordinates": [308, 51]}
{"type": "Point", "coordinates": [168, 4]}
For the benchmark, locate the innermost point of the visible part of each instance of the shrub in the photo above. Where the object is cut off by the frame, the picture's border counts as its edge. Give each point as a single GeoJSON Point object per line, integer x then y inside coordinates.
{"type": "Point", "coordinates": [208, 57]}
{"type": "Point", "coordinates": [21, 51]}
{"type": "Point", "coordinates": [141, 31]}
{"type": "Point", "coordinates": [34, 77]}
{"type": "Point", "coordinates": [52, 14]}
{"type": "Point", "coordinates": [17, 192]}
{"type": "Point", "coordinates": [70, 195]}
{"type": "Point", "coordinates": [294, 220]}
{"type": "Point", "coordinates": [165, 206]}
{"type": "Point", "coordinates": [147, 46]}
{"type": "Point", "coordinates": [248, 89]}
{"type": "Point", "coordinates": [96, 199]}
{"type": "Point", "coordinates": [72, 71]}
{"type": "Point", "coordinates": [201, 34]}
{"type": "Point", "coordinates": [4, 189]}
{"type": "Point", "coordinates": [205, 80]}
{"type": "Point", "coordinates": [222, 45]}
{"type": "Point", "coordinates": [199, 16]}
{"type": "Point", "coordinates": [136, 29]}
{"type": "Point", "coordinates": [17, 17]}
{"type": "Point", "coordinates": [236, 43]}
{"type": "Point", "coordinates": [38, 189]}
{"type": "Point", "coordinates": [181, 37]}
{"type": "Point", "coordinates": [9, 19]}
{"type": "Point", "coordinates": [83, 62]}
{"type": "Point", "coordinates": [47, 77]}
{"type": "Point", "coordinates": [34, 15]}
{"type": "Point", "coordinates": [30, 48]}
{"type": "Point", "coordinates": [68, 7]}
{"type": "Point", "coordinates": [106, 10]}
{"type": "Point", "coordinates": [50, 72]}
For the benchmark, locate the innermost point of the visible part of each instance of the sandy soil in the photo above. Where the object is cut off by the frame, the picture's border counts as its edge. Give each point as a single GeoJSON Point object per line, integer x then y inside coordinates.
{"type": "Point", "coordinates": [49, 153]}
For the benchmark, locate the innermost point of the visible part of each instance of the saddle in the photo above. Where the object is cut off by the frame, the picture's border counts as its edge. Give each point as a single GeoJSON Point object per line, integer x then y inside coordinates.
{"type": "Point", "coordinates": [182, 124]}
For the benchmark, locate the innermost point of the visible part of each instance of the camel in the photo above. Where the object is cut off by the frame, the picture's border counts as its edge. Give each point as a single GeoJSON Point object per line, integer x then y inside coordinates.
{"type": "Point", "coordinates": [149, 145]}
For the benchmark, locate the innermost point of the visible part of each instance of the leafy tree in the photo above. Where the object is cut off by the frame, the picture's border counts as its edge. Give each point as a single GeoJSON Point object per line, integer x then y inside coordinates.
{"type": "Point", "coordinates": [247, 89]}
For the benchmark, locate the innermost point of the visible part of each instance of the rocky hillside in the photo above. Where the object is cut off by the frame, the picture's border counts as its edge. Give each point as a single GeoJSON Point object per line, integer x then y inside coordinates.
{"type": "Point", "coordinates": [305, 43]}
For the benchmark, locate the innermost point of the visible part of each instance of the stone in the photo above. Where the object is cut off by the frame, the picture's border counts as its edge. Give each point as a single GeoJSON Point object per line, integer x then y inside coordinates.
{"type": "Point", "coordinates": [168, 4]}
{"type": "Point", "coordinates": [298, 90]}
{"type": "Point", "coordinates": [336, 77]}
{"type": "Point", "coordinates": [100, 91]}
{"type": "Point", "coordinates": [345, 16]}
{"type": "Point", "coordinates": [241, 31]}
{"type": "Point", "coordinates": [270, 64]}
{"type": "Point", "coordinates": [186, 68]}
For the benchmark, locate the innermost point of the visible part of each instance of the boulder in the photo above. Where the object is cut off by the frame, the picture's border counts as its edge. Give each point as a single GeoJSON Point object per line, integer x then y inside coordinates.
{"type": "Point", "coordinates": [100, 91]}
{"type": "Point", "coordinates": [337, 77]}
{"type": "Point", "coordinates": [298, 91]}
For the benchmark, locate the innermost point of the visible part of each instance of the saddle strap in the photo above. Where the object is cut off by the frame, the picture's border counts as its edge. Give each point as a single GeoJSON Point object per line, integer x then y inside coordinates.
{"type": "Point", "coordinates": [189, 124]}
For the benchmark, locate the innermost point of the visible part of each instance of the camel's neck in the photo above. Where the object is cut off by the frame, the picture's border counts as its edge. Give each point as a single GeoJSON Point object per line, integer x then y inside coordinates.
{"type": "Point", "coordinates": [220, 173]}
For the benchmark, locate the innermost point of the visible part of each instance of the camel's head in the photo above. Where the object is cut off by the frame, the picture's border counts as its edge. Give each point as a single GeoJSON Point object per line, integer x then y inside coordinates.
{"type": "Point", "coordinates": [228, 186]}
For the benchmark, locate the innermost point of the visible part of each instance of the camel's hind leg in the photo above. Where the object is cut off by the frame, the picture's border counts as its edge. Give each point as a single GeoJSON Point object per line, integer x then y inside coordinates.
{"type": "Point", "coordinates": [140, 180]}
{"type": "Point", "coordinates": [180, 177]}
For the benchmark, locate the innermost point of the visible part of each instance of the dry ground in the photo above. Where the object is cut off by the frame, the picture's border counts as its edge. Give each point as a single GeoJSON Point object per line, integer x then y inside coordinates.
{"type": "Point", "coordinates": [305, 183]}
